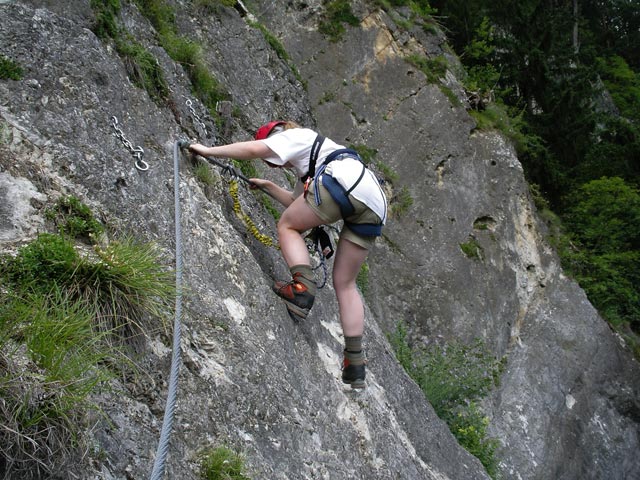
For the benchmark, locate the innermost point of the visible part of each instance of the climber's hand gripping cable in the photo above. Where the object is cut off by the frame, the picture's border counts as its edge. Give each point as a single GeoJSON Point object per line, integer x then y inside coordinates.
{"type": "Point", "coordinates": [227, 169]}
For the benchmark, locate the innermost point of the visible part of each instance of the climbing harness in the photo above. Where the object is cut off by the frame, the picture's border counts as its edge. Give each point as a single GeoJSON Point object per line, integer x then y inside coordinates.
{"type": "Point", "coordinates": [339, 194]}
{"type": "Point", "coordinates": [313, 158]}
{"type": "Point", "coordinates": [167, 422]}
{"type": "Point", "coordinates": [198, 120]}
{"type": "Point", "coordinates": [137, 152]}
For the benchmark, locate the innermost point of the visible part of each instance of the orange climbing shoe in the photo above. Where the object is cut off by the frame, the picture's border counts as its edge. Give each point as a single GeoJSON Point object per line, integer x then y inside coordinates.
{"type": "Point", "coordinates": [296, 296]}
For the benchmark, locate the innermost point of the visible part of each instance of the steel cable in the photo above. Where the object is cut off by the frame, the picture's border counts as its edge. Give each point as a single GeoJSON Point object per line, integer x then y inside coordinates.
{"type": "Point", "coordinates": [165, 434]}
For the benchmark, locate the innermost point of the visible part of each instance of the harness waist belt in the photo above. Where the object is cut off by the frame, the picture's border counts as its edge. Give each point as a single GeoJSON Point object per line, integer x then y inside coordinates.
{"type": "Point", "coordinates": [341, 196]}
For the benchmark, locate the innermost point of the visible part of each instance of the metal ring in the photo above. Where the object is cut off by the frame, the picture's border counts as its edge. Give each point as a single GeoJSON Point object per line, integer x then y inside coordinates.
{"type": "Point", "coordinates": [142, 165]}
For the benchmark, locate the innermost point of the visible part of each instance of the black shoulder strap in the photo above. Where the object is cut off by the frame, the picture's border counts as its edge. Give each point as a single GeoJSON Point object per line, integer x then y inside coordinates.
{"type": "Point", "coordinates": [364, 169]}
{"type": "Point", "coordinates": [313, 156]}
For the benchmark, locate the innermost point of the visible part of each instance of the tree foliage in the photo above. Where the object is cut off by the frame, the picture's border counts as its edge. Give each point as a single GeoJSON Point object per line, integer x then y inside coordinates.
{"type": "Point", "coordinates": [562, 76]}
{"type": "Point", "coordinates": [604, 215]}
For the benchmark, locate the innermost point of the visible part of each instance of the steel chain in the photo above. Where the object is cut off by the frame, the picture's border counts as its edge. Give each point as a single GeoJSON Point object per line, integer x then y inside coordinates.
{"type": "Point", "coordinates": [137, 152]}
{"type": "Point", "coordinates": [195, 116]}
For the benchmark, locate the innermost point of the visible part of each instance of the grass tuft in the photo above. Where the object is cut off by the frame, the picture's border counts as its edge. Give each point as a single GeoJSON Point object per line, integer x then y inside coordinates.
{"type": "Point", "coordinates": [51, 360]}
{"type": "Point", "coordinates": [221, 463]}
{"type": "Point", "coordinates": [64, 318]}
{"type": "Point", "coordinates": [472, 249]}
{"type": "Point", "coordinates": [9, 70]}
{"type": "Point", "coordinates": [435, 69]}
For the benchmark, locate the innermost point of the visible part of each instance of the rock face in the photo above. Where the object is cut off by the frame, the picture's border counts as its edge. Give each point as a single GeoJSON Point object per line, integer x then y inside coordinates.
{"type": "Point", "coordinates": [567, 406]}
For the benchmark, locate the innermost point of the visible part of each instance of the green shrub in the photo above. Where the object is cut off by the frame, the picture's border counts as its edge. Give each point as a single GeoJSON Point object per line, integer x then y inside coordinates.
{"type": "Point", "coordinates": [337, 13]}
{"type": "Point", "coordinates": [469, 426]}
{"type": "Point", "coordinates": [273, 42]}
{"type": "Point", "coordinates": [141, 65]}
{"type": "Point", "coordinates": [124, 282]}
{"type": "Point", "coordinates": [328, 97]}
{"type": "Point", "coordinates": [367, 154]}
{"type": "Point", "coordinates": [451, 96]}
{"type": "Point", "coordinates": [420, 9]}
{"type": "Point", "coordinates": [604, 215]}
{"type": "Point", "coordinates": [270, 207]}
{"type": "Point", "coordinates": [248, 169]}
{"type": "Point", "coordinates": [9, 70]}
{"type": "Point", "coordinates": [161, 15]}
{"type": "Point", "coordinates": [453, 376]}
{"type": "Point", "coordinates": [404, 353]}
{"type": "Point", "coordinates": [495, 116]}
{"type": "Point", "coordinates": [106, 13]}
{"type": "Point", "coordinates": [59, 335]}
{"type": "Point", "coordinates": [222, 463]}
{"type": "Point", "coordinates": [472, 248]}
{"type": "Point", "coordinates": [143, 68]}
{"type": "Point", "coordinates": [611, 282]}
{"type": "Point", "coordinates": [362, 280]}
{"type": "Point", "coordinates": [539, 199]}
{"type": "Point", "coordinates": [130, 286]}
{"type": "Point", "coordinates": [278, 47]}
{"type": "Point", "coordinates": [401, 202]}
{"type": "Point", "coordinates": [212, 6]}
{"type": "Point", "coordinates": [204, 85]}
{"type": "Point", "coordinates": [434, 68]}
{"type": "Point", "coordinates": [203, 173]}
{"type": "Point", "coordinates": [75, 219]}
{"type": "Point", "coordinates": [39, 265]}
{"type": "Point", "coordinates": [184, 51]}
{"type": "Point", "coordinates": [389, 174]}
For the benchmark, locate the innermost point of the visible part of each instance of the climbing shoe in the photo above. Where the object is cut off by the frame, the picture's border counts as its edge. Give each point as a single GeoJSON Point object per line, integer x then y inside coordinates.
{"type": "Point", "coordinates": [353, 374]}
{"type": "Point", "coordinates": [296, 296]}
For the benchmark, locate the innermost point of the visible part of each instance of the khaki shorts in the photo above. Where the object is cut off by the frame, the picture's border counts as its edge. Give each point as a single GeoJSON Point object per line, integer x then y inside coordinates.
{"type": "Point", "coordinates": [329, 212]}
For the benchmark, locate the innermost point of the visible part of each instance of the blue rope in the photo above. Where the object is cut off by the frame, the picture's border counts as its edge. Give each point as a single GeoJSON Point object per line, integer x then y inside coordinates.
{"type": "Point", "coordinates": [165, 434]}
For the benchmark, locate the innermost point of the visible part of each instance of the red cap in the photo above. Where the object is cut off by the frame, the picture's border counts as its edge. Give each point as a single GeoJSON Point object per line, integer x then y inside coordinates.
{"type": "Point", "coordinates": [264, 131]}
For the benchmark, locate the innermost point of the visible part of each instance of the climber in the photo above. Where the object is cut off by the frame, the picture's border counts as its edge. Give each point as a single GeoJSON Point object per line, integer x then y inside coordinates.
{"type": "Point", "coordinates": [333, 184]}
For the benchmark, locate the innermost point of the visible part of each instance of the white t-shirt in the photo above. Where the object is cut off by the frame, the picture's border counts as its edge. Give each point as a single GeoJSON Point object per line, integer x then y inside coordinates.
{"type": "Point", "coordinates": [294, 146]}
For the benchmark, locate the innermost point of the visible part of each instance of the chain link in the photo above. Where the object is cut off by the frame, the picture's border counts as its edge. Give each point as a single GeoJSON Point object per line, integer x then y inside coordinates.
{"type": "Point", "coordinates": [137, 152]}
{"type": "Point", "coordinates": [189, 104]}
